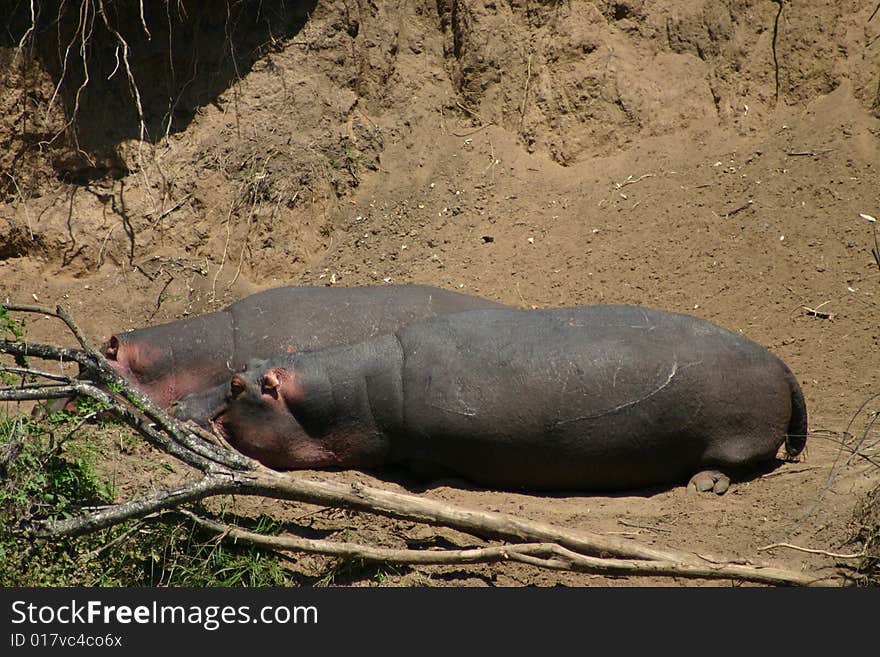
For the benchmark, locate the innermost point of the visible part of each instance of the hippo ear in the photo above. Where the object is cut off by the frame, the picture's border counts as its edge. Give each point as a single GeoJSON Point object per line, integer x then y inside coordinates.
{"type": "Point", "coordinates": [270, 383]}
{"type": "Point", "coordinates": [237, 386]}
{"type": "Point", "coordinates": [111, 350]}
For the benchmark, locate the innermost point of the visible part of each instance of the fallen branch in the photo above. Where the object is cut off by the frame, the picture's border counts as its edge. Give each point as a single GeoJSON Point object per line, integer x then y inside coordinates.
{"type": "Point", "coordinates": [544, 555]}
{"type": "Point", "coordinates": [486, 524]}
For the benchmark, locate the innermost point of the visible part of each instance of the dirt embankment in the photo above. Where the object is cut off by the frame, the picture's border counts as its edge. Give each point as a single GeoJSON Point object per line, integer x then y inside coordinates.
{"type": "Point", "coordinates": [704, 157]}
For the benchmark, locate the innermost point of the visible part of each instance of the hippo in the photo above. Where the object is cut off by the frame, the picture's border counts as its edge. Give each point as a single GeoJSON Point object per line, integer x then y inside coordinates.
{"type": "Point", "coordinates": [185, 365]}
{"type": "Point", "coordinates": [590, 397]}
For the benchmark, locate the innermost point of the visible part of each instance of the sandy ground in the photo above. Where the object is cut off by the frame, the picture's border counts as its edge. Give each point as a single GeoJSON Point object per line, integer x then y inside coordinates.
{"type": "Point", "coordinates": [628, 152]}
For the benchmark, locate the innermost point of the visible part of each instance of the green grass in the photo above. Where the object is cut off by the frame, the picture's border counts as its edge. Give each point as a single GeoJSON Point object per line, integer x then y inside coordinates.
{"type": "Point", "coordinates": [186, 560]}
{"type": "Point", "coordinates": [47, 475]}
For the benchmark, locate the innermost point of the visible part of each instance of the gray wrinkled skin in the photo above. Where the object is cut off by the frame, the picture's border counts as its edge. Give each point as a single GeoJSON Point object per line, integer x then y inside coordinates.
{"type": "Point", "coordinates": [593, 397]}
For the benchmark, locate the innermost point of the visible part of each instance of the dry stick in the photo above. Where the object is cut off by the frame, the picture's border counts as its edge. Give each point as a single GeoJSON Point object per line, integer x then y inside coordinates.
{"type": "Point", "coordinates": [835, 555]}
{"type": "Point", "coordinates": [27, 371]}
{"type": "Point", "coordinates": [876, 250]}
{"type": "Point", "coordinates": [31, 29]}
{"type": "Point", "coordinates": [632, 181]}
{"type": "Point", "coordinates": [172, 209]}
{"type": "Point", "coordinates": [186, 447]}
{"type": "Point", "coordinates": [846, 432]}
{"type": "Point", "coordinates": [263, 481]}
{"type": "Point", "coordinates": [530, 553]}
{"type": "Point", "coordinates": [410, 507]}
{"type": "Point", "coordinates": [61, 314]}
{"type": "Point", "coordinates": [775, 58]}
{"type": "Point", "coordinates": [212, 484]}
{"type": "Point", "coordinates": [522, 109]}
{"type": "Point", "coordinates": [94, 554]}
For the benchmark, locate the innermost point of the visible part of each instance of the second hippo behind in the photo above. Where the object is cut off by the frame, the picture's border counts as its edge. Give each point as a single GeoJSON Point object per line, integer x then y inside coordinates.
{"type": "Point", "coordinates": [593, 397]}
{"type": "Point", "coordinates": [191, 357]}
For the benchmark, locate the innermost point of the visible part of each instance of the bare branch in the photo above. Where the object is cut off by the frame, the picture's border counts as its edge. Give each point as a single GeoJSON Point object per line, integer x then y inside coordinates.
{"type": "Point", "coordinates": [574, 550]}
{"type": "Point", "coordinates": [46, 352]}
{"type": "Point", "coordinates": [543, 555]}
{"type": "Point", "coordinates": [213, 484]}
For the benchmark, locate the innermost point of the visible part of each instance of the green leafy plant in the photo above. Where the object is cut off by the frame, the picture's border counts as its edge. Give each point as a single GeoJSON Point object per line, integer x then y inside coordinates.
{"type": "Point", "coordinates": [11, 329]}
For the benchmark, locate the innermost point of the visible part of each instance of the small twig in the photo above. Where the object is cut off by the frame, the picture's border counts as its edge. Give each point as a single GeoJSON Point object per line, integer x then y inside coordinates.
{"type": "Point", "coordinates": [94, 554]}
{"type": "Point", "coordinates": [189, 450]}
{"type": "Point", "coordinates": [632, 181]}
{"type": "Point", "coordinates": [875, 251]}
{"type": "Point", "coordinates": [773, 44]}
{"type": "Point", "coordinates": [172, 208]}
{"type": "Point", "coordinates": [522, 109]}
{"type": "Point", "coordinates": [80, 336]}
{"type": "Point", "coordinates": [213, 484]}
{"type": "Point", "coordinates": [835, 555]}
{"type": "Point", "coordinates": [474, 131]}
{"type": "Point", "coordinates": [469, 111]}
{"type": "Point", "coordinates": [182, 444]}
{"type": "Point", "coordinates": [43, 392]}
{"type": "Point", "coordinates": [744, 206]}
{"type": "Point", "coordinates": [483, 125]}
{"type": "Point", "coordinates": [79, 425]}
{"type": "Point", "coordinates": [232, 208]}
{"type": "Point", "coordinates": [815, 312]}
{"type": "Point", "coordinates": [822, 151]}
{"type": "Point", "coordinates": [28, 371]}
{"type": "Point", "coordinates": [782, 472]}
{"type": "Point", "coordinates": [25, 386]}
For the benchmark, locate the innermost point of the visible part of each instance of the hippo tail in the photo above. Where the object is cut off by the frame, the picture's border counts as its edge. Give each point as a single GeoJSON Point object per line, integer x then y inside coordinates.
{"type": "Point", "coordinates": [796, 435]}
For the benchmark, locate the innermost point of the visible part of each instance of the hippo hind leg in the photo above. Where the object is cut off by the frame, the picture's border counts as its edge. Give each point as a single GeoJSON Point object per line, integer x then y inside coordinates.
{"type": "Point", "coordinates": [709, 480]}
{"type": "Point", "coordinates": [737, 454]}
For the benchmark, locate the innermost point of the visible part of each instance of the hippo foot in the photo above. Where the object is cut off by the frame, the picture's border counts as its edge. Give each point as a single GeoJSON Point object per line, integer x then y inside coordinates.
{"type": "Point", "coordinates": [709, 480]}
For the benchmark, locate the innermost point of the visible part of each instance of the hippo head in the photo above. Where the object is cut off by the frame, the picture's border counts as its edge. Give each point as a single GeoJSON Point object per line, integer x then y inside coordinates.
{"type": "Point", "coordinates": [161, 367]}
{"type": "Point", "coordinates": [143, 364]}
{"type": "Point", "coordinates": [260, 420]}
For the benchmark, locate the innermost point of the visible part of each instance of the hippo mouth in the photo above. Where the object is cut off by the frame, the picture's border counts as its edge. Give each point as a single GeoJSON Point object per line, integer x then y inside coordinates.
{"type": "Point", "coordinates": [219, 425]}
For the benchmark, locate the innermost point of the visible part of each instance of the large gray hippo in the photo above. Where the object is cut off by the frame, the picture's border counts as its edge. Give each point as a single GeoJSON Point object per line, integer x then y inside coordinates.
{"type": "Point", "coordinates": [196, 356]}
{"type": "Point", "coordinates": [591, 397]}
